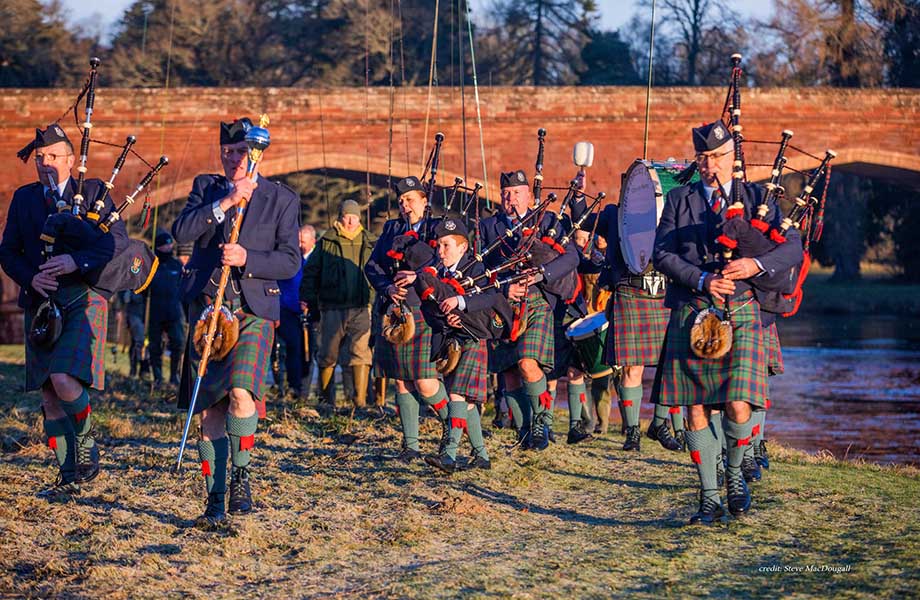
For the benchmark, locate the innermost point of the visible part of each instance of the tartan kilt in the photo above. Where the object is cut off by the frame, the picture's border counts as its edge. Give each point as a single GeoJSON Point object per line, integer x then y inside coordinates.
{"type": "Point", "coordinates": [410, 361]}
{"type": "Point", "coordinates": [80, 351]}
{"type": "Point", "coordinates": [536, 343]}
{"type": "Point", "coordinates": [638, 322]}
{"type": "Point", "coordinates": [244, 367]}
{"type": "Point", "coordinates": [739, 376]}
{"type": "Point", "coordinates": [775, 364]}
{"type": "Point", "coordinates": [470, 378]}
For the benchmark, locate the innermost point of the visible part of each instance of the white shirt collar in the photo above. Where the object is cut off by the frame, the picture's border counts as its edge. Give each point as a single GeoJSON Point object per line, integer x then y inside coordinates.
{"type": "Point", "coordinates": [726, 190]}
{"type": "Point", "coordinates": [60, 187]}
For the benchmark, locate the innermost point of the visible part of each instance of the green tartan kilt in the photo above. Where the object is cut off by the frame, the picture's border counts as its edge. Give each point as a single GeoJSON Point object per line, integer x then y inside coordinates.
{"type": "Point", "coordinates": [739, 376]}
{"type": "Point", "coordinates": [244, 367]}
{"type": "Point", "coordinates": [537, 342]}
{"type": "Point", "coordinates": [410, 361]}
{"type": "Point", "coordinates": [470, 378]}
{"type": "Point", "coordinates": [638, 322]}
{"type": "Point", "coordinates": [774, 351]}
{"type": "Point", "coordinates": [80, 351]}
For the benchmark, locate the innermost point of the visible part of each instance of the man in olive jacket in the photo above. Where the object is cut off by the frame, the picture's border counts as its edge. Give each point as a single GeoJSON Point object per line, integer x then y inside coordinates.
{"type": "Point", "coordinates": [334, 284]}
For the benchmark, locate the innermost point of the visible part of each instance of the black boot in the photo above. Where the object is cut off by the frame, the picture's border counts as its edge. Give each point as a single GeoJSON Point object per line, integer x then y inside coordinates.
{"type": "Point", "coordinates": [662, 434]}
{"type": "Point", "coordinates": [750, 469]}
{"type": "Point", "coordinates": [710, 511]}
{"type": "Point", "coordinates": [524, 436]}
{"type": "Point", "coordinates": [443, 462]}
{"type": "Point", "coordinates": [681, 438]}
{"type": "Point", "coordinates": [479, 462]}
{"type": "Point", "coordinates": [157, 368]}
{"type": "Point", "coordinates": [240, 495]}
{"type": "Point", "coordinates": [174, 368]}
{"type": "Point", "coordinates": [539, 434]}
{"type": "Point", "coordinates": [408, 455]}
{"type": "Point", "coordinates": [739, 496]}
{"type": "Point", "coordinates": [445, 436]}
{"type": "Point", "coordinates": [87, 460]}
{"type": "Point", "coordinates": [61, 490]}
{"type": "Point", "coordinates": [760, 455]}
{"type": "Point", "coordinates": [578, 434]}
{"type": "Point", "coordinates": [633, 439]}
{"type": "Point", "coordinates": [215, 516]}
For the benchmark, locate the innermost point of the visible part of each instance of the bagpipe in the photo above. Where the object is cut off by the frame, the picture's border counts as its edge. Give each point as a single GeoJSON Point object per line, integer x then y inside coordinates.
{"type": "Point", "coordinates": [83, 225]}
{"type": "Point", "coordinates": [753, 236]}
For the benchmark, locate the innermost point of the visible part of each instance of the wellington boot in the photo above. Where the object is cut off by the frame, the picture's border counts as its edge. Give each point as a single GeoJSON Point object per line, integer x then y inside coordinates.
{"type": "Point", "coordinates": [380, 391]}
{"type": "Point", "coordinates": [327, 385]}
{"type": "Point", "coordinates": [361, 374]}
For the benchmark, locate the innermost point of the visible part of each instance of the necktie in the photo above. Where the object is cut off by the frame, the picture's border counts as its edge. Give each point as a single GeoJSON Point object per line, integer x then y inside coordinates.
{"type": "Point", "coordinates": [50, 199]}
{"type": "Point", "coordinates": [715, 202]}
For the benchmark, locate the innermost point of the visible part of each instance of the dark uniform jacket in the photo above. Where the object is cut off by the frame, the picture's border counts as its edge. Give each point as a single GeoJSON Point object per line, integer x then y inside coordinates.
{"type": "Point", "coordinates": [21, 248]}
{"type": "Point", "coordinates": [495, 227]}
{"type": "Point", "coordinates": [165, 290]}
{"type": "Point", "coordinates": [269, 234]}
{"type": "Point", "coordinates": [381, 269]}
{"type": "Point", "coordinates": [685, 246]}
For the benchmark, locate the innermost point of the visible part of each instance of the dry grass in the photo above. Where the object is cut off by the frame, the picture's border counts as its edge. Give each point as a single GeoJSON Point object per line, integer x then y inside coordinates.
{"type": "Point", "coordinates": [338, 517]}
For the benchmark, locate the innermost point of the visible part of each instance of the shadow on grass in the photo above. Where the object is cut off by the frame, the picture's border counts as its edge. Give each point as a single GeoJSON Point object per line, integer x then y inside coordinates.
{"type": "Point", "coordinates": [624, 482]}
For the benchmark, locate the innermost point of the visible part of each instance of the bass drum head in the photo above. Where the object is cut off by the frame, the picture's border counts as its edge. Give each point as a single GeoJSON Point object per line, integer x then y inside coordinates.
{"type": "Point", "coordinates": [641, 203]}
{"type": "Point", "coordinates": [586, 326]}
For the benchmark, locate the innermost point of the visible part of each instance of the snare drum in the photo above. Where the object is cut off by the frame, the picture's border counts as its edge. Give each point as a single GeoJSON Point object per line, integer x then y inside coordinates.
{"type": "Point", "coordinates": [589, 337]}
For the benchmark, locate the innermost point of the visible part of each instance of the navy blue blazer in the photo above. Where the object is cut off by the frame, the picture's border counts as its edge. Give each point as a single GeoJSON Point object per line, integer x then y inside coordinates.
{"type": "Point", "coordinates": [269, 234]}
{"type": "Point", "coordinates": [497, 226]}
{"type": "Point", "coordinates": [21, 248]}
{"type": "Point", "coordinates": [685, 244]}
{"type": "Point", "coordinates": [380, 268]}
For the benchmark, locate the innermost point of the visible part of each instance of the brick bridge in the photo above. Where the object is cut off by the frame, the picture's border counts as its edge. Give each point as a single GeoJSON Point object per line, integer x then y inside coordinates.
{"type": "Point", "coordinates": [874, 132]}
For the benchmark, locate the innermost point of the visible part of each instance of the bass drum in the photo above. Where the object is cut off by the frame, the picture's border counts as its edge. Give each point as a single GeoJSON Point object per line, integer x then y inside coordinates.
{"type": "Point", "coordinates": [642, 194]}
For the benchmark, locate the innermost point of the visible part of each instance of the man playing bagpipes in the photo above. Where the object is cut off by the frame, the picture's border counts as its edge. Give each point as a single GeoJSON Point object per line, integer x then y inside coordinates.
{"type": "Point", "coordinates": [715, 354]}
{"type": "Point", "coordinates": [461, 324]}
{"type": "Point", "coordinates": [638, 321]}
{"type": "Point", "coordinates": [524, 360]}
{"type": "Point", "coordinates": [231, 397]}
{"type": "Point", "coordinates": [402, 350]}
{"type": "Point", "coordinates": [65, 366]}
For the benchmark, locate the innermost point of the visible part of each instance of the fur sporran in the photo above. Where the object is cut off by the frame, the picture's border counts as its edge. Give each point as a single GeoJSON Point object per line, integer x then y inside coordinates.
{"type": "Point", "coordinates": [449, 357]}
{"type": "Point", "coordinates": [711, 335]}
{"type": "Point", "coordinates": [398, 324]}
{"type": "Point", "coordinates": [225, 337]}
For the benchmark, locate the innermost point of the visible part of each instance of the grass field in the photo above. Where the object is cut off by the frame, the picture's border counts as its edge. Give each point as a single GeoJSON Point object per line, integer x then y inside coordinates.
{"type": "Point", "coordinates": [338, 517]}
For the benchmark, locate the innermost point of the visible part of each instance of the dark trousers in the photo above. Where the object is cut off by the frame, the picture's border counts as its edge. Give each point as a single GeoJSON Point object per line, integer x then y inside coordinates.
{"type": "Point", "coordinates": [295, 359]}
{"type": "Point", "coordinates": [175, 334]}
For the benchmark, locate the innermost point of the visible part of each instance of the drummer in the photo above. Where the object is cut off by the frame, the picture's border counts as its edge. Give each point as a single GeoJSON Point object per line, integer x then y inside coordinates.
{"type": "Point", "coordinates": [638, 321]}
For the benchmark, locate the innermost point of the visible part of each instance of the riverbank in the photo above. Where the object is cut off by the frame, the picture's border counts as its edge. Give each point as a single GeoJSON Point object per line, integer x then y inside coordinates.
{"type": "Point", "coordinates": [337, 516]}
{"type": "Point", "coordinates": [877, 292]}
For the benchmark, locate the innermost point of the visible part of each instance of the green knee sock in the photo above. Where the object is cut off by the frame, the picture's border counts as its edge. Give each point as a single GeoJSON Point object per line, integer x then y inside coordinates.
{"type": "Point", "coordinates": [716, 422]}
{"type": "Point", "coordinates": [519, 405]}
{"type": "Point", "coordinates": [408, 418]}
{"type": "Point", "coordinates": [213, 456]}
{"type": "Point", "coordinates": [541, 399]}
{"type": "Point", "coordinates": [474, 430]}
{"type": "Point", "coordinates": [677, 418]}
{"type": "Point", "coordinates": [438, 402]}
{"type": "Point", "coordinates": [600, 393]}
{"type": "Point", "coordinates": [456, 412]}
{"type": "Point", "coordinates": [704, 451]}
{"type": "Point", "coordinates": [63, 440]}
{"type": "Point", "coordinates": [514, 409]}
{"type": "Point", "coordinates": [80, 413]}
{"type": "Point", "coordinates": [661, 415]}
{"type": "Point", "coordinates": [632, 402]}
{"type": "Point", "coordinates": [760, 421]}
{"type": "Point", "coordinates": [242, 433]}
{"type": "Point", "coordinates": [738, 438]}
{"type": "Point", "coordinates": [578, 402]}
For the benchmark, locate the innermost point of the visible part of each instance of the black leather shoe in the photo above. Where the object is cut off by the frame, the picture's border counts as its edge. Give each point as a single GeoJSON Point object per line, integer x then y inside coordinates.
{"type": "Point", "coordinates": [739, 496]}
{"type": "Point", "coordinates": [633, 441]}
{"type": "Point", "coordinates": [662, 434]}
{"type": "Point", "coordinates": [539, 435]}
{"type": "Point", "coordinates": [578, 434]}
{"type": "Point", "coordinates": [214, 517]}
{"type": "Point", "coordinates": [443, 462]}
{"type": "Point", "coordinates": [240, 495]}
{"type": "Point", "coordinates": [710, 511]}
{"type": "Point", "coordinates": [524, 437]}
{"type": "Point", "coordinates": [61, 490]}
{"type": "Point", "coordinates": [479, 462]}
{"type": "Point", "coordinates": [750, 469]}
{"type": "Point", "coordinates": [87, 463]}
{"type": "Point", "coordinates": [720, 470]}
{"type": "Point", "coordinates": [760, 455]}
{"type": "Point", "coordinates": [408, 455]}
